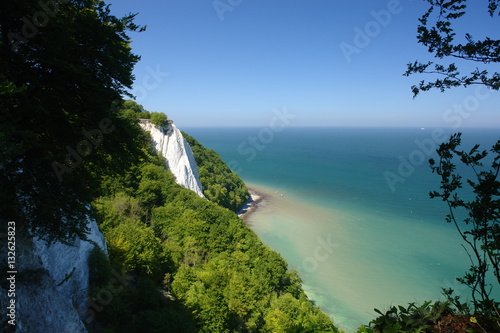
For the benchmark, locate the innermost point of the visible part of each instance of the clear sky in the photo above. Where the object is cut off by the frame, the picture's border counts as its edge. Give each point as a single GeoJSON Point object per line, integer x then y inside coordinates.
{"type": "Point", "coordinates": [328, 62]}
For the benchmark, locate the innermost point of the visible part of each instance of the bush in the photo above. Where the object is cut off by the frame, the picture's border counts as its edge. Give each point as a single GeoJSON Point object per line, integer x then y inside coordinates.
{"type": "Point", "coordinates": [435, 316]}
{"type": "Point", "coordinates": [220, 184]}
{"type": "Point", "coordinates": [159, 119]}
{"type": "Point", "coordinates": [99, 268]}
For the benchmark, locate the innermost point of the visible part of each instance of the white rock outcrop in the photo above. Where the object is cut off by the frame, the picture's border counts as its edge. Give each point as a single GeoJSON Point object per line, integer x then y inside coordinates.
{"type": "Point", "coordinates": [64, 261]}
{"type": "Point", "coordinates": [168, 140]}
{"type": "Point", "coordinates": [52, 283]}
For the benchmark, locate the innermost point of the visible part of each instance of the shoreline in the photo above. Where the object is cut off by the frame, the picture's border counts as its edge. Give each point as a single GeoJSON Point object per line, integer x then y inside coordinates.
{"type": "Point", "coordinates": [252, 204]}
{"type": "Point", "coordinates": [260, 197]}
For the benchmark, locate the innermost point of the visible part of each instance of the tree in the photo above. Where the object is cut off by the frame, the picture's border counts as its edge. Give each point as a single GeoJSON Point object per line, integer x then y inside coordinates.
{"type": "Point", "coordinates": [477, 219]}
{"type": "Point", "coordinates": [64, 67]}
{"type": "Point", "coordinates": [134, 111]}
{"type": "Point", "coordinates": [436, 32]}
{"type": "Point", "coordinates": [220, 184]}
{"type": "Point", "coordinates": [159, 119]}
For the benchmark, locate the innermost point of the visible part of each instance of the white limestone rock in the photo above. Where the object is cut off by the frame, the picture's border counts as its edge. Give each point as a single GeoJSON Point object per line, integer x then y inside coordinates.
{"type": "Point", "coordinates": [168, 140]}
{"type": "Point", "coordinates": [63, 260]}
{"type": "Point", "coordinates": [42, 304]}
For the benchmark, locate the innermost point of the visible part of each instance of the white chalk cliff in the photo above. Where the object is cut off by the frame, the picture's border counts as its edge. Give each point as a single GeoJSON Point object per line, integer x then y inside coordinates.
{"type": "Point", "coordinates": [52, 283]}
{"type": "Point", "coordinates": [170, 143]}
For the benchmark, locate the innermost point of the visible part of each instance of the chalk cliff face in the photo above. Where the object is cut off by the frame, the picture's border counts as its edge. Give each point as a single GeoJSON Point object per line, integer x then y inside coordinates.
{"type": "Point", "coordinates": [168, 140]}
{"type": "Point", "coordinates": [63, 260]}
{"type": "Point", "coordinates": [52, 283]}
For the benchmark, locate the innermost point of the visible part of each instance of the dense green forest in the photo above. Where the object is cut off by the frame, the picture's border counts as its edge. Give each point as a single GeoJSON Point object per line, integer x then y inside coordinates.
{"type": "Point", "coordinates": [220, 184]}
{"type": "Point", "coordinates": [193, 265]}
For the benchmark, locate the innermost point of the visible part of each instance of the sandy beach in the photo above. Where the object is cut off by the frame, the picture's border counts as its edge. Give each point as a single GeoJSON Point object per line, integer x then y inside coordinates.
{"type": "Point", "coordinates": [256, 198]}
{"type": "Point", "coordinates": [260, 196]}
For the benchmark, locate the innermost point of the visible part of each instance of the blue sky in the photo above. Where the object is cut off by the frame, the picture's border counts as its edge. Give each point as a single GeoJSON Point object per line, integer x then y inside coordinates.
{"type": "Point", "coordinates": [235, 62]}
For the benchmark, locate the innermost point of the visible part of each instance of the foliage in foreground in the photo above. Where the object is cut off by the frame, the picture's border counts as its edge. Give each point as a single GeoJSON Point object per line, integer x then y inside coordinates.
{"type": "Point", "coordinates": [437, 32]}
{"type": "Point", "coordinates": [475, 214]}
{"type": "Point", "coordinates": [58, 121]}
{"type": "Point", "coordinates": [432, 317]}
{"type": "Point", "coordinates": [479, 229]}
{"type": "Point", "coordinates": [193, 265]}
{"type": "Point", "coordinates": [480, 226]}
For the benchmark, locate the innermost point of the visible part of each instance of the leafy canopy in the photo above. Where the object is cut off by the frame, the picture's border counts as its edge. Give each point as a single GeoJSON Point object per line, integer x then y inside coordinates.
{"type": "Point", "coordinates": [436, 32]}
{"type": "Point", "coordinates": [474, 204]}
{"type": "Point", "coordinates": [61, 79]}
{"type": "Point", "coordinates": [159, 119]}
{"type": "Point", "coordinates": [480, 228]}
{"type": "Point", "coordinates": [220, 184]}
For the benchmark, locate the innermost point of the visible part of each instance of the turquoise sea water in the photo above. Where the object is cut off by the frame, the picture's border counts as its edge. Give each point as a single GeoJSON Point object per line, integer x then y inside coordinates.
{"type": "Point", "coordinates": [348, 208]}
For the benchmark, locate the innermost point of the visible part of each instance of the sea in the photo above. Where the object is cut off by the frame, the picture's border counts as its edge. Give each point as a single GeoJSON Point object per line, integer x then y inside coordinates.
{"type": "Point", "coordinates": [349, 209]}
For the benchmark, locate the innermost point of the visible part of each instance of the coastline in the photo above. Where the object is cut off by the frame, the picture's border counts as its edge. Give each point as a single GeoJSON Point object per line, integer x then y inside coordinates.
{"type": "Point", "coordinates": [260, 197]}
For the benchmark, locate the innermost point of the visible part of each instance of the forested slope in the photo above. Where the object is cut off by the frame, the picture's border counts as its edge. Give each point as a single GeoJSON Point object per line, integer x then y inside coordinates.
{"type": "Point", "coordinates": [70, 148]}
{"type": "Point", "coordinates": [192, 265]}
{"type": "Point", "coordinates": [220, 184]}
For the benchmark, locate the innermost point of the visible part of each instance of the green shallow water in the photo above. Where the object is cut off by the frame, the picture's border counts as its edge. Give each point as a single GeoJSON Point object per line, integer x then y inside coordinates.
{"type": "Point", "coordinates": [352, 262]}
{"type": "Point", "coordinates": [356, 243]}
